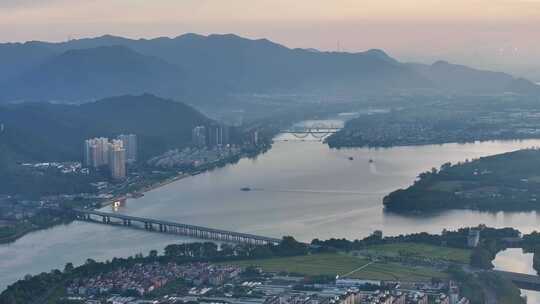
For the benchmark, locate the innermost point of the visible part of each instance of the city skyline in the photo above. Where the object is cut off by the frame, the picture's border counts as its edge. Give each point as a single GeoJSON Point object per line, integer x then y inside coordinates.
{"type": "Point", "coordinates": [115, 154]}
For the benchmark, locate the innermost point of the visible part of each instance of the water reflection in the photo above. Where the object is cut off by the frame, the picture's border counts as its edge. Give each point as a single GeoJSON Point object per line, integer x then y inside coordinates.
{"type": "Point", "coordinates": [116, 206]}
{"type": "Point", "coordinates": [311, 191]}
{"type": "Point", "coordinates": [515, 260]}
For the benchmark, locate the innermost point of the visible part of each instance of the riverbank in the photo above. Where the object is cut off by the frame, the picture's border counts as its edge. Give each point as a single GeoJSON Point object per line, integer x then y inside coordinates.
{"type": "Point", "coordinates": [142, 191]}
{"type": "Point", "coordinates": [214, 199]}
{"type": "Point", "coordinates": [198, 170]}
{"type": "Point", "coordinates": [378, 259]}
{"type": "Point", "coordinates": [503, 182]}
{"type": "Point", "coordinates": [17, 235]}
{"type": "Point", "coordinates": [45, 220]}
{"type": "Point", "coordinates": [147, 187]}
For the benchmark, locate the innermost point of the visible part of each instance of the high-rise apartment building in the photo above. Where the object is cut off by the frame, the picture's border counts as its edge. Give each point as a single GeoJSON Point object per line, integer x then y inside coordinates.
{"type": "Point", "coordinates": [217, 135]}
{"type": "Point", "coordinates": [96, 152]}
{"type": "Point", "coordinates": [99, 152]}
{"type": "Point", "coordinates": [117, 160]}
{"type": "Point", "coordinates": [130, 145]}
{"type": "Point", "coordinates": [198, 136]}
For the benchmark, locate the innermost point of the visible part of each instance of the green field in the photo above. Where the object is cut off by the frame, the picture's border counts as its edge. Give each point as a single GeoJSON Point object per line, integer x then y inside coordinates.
{"type": "Point", "coordinates": [394, 271]}
{"type": "Point", "coordinates": [341, 264]}
{"type": "Point", "coordinates": [423, 251]}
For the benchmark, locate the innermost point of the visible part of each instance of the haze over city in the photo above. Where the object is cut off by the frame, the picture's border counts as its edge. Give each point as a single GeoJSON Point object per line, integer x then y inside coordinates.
{"type": "Point", "coordinates": [269, 152]}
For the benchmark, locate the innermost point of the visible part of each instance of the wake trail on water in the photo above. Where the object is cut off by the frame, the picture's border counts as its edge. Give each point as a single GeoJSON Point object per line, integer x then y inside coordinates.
{"type": "Point", "coordinates": [315, 191]}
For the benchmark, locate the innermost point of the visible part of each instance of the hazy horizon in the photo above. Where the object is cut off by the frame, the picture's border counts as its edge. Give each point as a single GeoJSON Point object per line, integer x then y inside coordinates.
{"type": "Point", "coordinates": [499, 35]}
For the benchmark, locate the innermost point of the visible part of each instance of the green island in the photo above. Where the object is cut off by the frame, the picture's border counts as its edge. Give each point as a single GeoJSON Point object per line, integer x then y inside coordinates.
{"type": "Point", "coordinates": [503, 182]}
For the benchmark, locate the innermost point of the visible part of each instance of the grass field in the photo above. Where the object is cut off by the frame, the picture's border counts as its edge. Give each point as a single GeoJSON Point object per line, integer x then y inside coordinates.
{"type": "Point", "coordinates": [340, 264]}
{"type": "Point", "coordinates": [425, 251]}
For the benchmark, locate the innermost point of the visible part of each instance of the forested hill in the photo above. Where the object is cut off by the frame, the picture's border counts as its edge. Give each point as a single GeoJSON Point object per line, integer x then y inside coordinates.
{"type": "Point", "coordinates": [52, 132]}
{"type": "Point", "coordinates": [207, 68]}
{"type": "Point", "coordinates": [509, 181]}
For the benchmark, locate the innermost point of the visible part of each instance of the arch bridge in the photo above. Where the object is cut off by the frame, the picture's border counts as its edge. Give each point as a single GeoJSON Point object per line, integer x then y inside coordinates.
{"type": "Point", "coordinates": [317, 130]}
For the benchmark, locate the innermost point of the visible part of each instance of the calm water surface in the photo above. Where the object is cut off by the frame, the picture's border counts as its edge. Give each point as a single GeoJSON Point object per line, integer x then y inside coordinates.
{"type": "Point", "coordinates": [514, 259]}
{"type": "Point", "coordinates": [302, 189]}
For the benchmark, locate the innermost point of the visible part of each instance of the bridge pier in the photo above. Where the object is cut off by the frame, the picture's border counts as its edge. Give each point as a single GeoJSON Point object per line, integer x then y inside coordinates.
{"type": "Point", "coordinates": [176, 228]}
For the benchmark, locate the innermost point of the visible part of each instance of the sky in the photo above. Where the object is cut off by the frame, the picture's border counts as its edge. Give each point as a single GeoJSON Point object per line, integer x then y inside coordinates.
{"type": "Point", "coordinates": [501, 34]}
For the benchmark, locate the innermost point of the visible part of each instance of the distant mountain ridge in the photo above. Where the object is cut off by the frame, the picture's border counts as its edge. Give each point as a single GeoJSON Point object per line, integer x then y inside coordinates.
{"type": "Point", "coordinates": [460, 78]}
{"type": "Point", "coordinates": [212, 66]}
{"type": "Point", "coordinates": [96, 73]}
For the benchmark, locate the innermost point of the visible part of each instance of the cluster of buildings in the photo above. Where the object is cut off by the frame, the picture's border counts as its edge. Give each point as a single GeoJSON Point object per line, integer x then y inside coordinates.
{"type": "Point", "coordinates": [195, 157]}
{"type": "Point", "coordinates": [12, 209]}
{"type": "Point", "coordinates": [400, 297]}
{"type": "Point", "coordinates": [210, 136]}
{"type": "Point", "coordinates": [115, 154]}
{"type": "Point", "coordinates": [61, 167]}
{"type": "Point", "coordinates": [351, 291]}
{"type": "Point", "coordinates": [354, 296]}
{"type": "Point", "coordinates": [219, 284]}
{"type": "Point", "coordinates": [144, 278]}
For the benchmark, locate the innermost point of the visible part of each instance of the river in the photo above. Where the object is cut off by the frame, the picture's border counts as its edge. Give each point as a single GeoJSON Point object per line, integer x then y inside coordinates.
{"type": "Point", "coordinates": [300, 188]}
{"type": "Point", "coordinates": [514, 259]}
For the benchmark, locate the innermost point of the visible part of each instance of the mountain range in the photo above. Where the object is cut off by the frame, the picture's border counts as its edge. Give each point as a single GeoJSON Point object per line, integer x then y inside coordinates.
{"type": "Point", "coordinates": [193, 66]}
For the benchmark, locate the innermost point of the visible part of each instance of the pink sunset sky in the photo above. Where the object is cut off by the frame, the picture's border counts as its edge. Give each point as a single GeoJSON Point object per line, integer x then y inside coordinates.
{"type": "Point", "coordinates": [501, 34]}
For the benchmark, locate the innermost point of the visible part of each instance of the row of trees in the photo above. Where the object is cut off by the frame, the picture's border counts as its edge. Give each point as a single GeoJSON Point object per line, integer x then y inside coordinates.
{"type": "Point", "coordinates": [39, 288]}
{"type": "Point", "coordinates": [482, 256]}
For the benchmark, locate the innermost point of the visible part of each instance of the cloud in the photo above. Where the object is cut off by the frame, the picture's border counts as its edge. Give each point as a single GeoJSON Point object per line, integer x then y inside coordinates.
{"type": "Point", "coordinates": [14, 4]}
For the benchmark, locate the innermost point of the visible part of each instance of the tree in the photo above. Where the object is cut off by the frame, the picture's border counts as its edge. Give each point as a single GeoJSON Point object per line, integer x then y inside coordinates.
{"type": "Point", "coordinates": [227, 249]}
{"type": "Point", "coordinates": [481, 258]}
{"type": "Point", "coordinates": [153, 254]}
{"type": "Point", "coordinates": [68, 268]}
{"type": "Point", "coordinates": [289, 247]}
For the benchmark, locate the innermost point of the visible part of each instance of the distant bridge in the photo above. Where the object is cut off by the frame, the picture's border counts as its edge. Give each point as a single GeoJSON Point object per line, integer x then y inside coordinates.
{"type": "Point", "coordinates": [523, 281]}
{"type": "Point", "coordinates": [317, 130]}
{"type": "Point", "coordinates": [172, 227]}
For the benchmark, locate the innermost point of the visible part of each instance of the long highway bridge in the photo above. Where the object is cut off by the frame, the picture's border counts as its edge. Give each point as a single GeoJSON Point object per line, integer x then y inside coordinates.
{"type": "Point", "coordinates": [524, 281]}
{"type": "Point", "coordinates": [172, 227]}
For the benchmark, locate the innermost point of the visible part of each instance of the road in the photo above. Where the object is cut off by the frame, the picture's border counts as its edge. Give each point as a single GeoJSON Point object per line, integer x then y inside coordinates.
{"type": "Point", "coordinates": [356, 270]}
